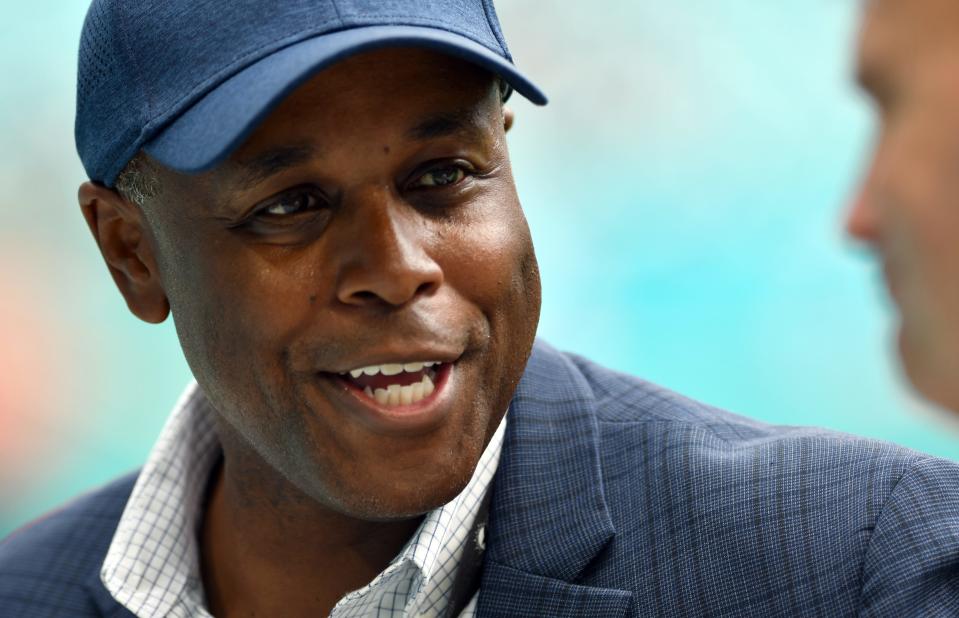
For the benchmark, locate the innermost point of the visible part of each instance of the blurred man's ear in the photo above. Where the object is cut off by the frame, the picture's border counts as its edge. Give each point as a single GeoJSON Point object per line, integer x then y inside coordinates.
{"type": "Point", "coordinates": [120, 230]}
{"type": "Point", "coordinates": [508, 117]}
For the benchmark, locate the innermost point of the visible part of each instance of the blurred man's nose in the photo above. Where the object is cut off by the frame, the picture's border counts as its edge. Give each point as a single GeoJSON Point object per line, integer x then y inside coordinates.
{"type": "Point", "coordinates": [861, 222]}
{"type": "Point", "coordinates": [385, 253]}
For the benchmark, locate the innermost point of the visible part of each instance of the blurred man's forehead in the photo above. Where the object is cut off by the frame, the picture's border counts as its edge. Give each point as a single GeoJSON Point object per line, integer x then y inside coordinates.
{"type": "Point", "coordinates": [900, 39]}
{"type": "Point", "coordinates": [910, 22]}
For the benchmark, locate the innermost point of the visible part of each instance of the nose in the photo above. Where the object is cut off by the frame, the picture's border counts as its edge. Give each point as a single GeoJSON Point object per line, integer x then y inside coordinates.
{"type": "Point", "coordinates": [861, 221]}
{"type": "Point", "coordinates": [386, 259]}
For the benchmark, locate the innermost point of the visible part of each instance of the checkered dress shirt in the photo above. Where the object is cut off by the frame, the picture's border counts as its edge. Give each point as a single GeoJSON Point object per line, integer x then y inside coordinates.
{"type": "Point", "coordinates": [153, 565]}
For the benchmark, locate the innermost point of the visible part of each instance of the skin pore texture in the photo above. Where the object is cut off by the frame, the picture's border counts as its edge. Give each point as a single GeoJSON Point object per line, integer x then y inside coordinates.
{"type": "Point", "coordinates": [371, 218]}
{"type": "Point", "coordinates": [908, 208]}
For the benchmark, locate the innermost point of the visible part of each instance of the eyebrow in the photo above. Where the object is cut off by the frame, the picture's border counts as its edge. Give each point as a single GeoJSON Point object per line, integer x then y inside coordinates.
{"type": "Point", "coordinates": [445, 124]}
{"type": "Point", "coordinates": [256, 169]}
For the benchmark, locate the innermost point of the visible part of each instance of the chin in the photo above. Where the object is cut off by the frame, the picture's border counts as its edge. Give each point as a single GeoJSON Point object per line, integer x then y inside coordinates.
{"type": "Point", "coordinates": [402, 500]}
{"type": "Point", "coordinates": [391, 488]}
{"type": "Point", "coordinates": [928, 373]}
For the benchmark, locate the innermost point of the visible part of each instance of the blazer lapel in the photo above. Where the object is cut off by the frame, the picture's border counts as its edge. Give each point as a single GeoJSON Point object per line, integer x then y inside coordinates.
{"type": "Point", "coordinates": [548, 518]}
{"type": "Point", "coordinates": [509, 592]}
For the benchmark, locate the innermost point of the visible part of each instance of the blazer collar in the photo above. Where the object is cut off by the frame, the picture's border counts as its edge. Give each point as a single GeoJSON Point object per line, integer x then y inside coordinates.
{"type": "Point", "coordinates": [548, 517]}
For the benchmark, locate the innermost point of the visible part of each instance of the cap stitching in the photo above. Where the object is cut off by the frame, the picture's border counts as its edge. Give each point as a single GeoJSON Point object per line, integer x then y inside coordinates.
{"type": "Point", "coordinates": [336, 9]}
{"type": "Point", "coordinates": [416, 21]}
{"type": "Point", "coordinates": [487, 9]}
{"type": "Point", "coordinates": [144, 87]}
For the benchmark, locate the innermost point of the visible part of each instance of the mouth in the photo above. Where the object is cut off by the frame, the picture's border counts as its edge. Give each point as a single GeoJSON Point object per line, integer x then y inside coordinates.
{"type": "Point", "coordinates": [397, 385]}
{"type": "Point", "coordinates": [407, 392]}
{"type": "Point", "coordinates": [399, 398]}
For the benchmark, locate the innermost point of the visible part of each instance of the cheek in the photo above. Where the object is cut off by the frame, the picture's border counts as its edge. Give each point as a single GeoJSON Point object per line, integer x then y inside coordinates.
{"type": "Point", "coordinates": [912, 185]}
{"type": "Point", "coordinates": [916, 190]}
{"type": "Point", "coordinates": [924, 206]}
{"type": "Point", "coordinates": [489, 259]}
{"type": "Point", "coordinates": [494, 269]}
{"type": "Point", "coordinates": [236, 310]}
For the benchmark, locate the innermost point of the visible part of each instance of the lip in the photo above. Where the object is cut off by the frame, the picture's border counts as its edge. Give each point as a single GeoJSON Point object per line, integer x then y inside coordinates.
{"type": "Point", "coordinates": [416, 418]}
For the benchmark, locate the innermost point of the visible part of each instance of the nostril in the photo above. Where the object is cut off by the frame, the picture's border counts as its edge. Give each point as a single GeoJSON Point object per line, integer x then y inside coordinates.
{"type": "Point", "coordinates": [366, 296]}
{"type": "Point", "coordinates": [427, 287]}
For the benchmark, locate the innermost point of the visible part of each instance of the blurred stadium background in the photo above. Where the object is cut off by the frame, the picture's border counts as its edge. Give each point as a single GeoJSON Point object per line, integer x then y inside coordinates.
{"type": "Point", "coordinates": [684, 189]}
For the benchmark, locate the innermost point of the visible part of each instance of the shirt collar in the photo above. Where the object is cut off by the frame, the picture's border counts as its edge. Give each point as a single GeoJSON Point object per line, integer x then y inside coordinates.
{"type": "Point", "coordinates": [152, 566]}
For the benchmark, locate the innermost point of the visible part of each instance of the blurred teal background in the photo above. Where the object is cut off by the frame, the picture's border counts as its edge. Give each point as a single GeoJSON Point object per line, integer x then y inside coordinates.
{"type": "Point", "coordinates": [685, 190]}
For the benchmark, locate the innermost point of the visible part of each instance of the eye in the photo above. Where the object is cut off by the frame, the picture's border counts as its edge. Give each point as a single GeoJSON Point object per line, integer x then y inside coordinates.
{"type": "Point", "coordinates": [289, 204]}
{"type": "Point", "coordinates": [440, 177]}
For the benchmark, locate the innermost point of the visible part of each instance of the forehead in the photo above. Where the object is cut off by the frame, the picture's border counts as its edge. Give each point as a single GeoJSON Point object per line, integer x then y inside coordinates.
{"type": "Point", "coordinates": [382, 91]}
{"type": "Point", "coordinates": [898, 31]}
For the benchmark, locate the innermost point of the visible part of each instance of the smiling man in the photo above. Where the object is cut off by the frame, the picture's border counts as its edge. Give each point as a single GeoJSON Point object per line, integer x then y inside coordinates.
{"type": "Point", "coordinates": [908, 210]}
{"type": "Point", "coordinates": [321, 195]}
{"type": "Point", "coordinates": [357, 295]}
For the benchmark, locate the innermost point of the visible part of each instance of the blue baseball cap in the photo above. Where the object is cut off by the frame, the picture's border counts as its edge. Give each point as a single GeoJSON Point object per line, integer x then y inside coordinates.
{"type": "Point", "coordinates": [187, 81]}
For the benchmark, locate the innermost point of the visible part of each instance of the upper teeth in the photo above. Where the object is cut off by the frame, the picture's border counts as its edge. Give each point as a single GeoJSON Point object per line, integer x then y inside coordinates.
{"type": "Point", "coordinates": [391, 369]}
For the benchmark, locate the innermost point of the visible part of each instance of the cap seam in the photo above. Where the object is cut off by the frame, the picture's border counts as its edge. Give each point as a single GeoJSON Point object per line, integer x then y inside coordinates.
{"type": "Point", "coordinates": [336, 9]}
{"type": "Point", "coordinates": [489, 24]}
{"type": "Point", "coordinates": [144, 89]}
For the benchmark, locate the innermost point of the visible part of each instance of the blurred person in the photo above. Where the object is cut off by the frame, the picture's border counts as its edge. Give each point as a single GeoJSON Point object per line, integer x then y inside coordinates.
{"type": "Point", "coordinates": [321, 194]}
{"type": "Point", "coordinates": [908, 209]}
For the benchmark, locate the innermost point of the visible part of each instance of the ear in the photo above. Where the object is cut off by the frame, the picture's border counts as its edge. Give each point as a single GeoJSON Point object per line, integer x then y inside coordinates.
{"type": "Point", "coordinates": [120, 230]}
{"type": "Point", "coordinates": [508, 117]}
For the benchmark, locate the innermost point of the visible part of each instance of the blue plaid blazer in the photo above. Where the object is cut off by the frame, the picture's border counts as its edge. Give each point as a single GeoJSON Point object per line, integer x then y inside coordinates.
{"type": "Point", "coordinates": [618, 498]}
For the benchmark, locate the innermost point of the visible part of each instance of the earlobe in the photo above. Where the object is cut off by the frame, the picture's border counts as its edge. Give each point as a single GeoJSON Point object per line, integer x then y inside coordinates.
{"type": "Point", "coordinates": [508, 117]}
{"type": "Point", "coordinates": [123, 236]}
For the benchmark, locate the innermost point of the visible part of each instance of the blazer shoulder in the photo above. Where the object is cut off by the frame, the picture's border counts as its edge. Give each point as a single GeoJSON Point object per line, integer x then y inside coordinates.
{"type": "Point", "coordinates": [913, 556]}
{"type": "Point", "coordinates": [621, 399]}
{"type": "Point", "coordinates": [624, 398]}
{"type": "Point", "coordinates": [48, 565]}
{"type": "Point", "coordinates": [854, 524]}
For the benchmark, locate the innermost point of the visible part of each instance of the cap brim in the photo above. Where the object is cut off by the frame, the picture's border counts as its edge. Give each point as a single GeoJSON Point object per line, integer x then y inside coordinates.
{"type": "Point", "coordinates": [207, 132]}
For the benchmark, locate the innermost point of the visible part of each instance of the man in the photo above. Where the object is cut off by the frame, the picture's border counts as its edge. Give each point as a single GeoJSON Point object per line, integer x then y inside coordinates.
{"type": "Point", "coordinates": [908, 211]}
{"type": "Point", "coordinates": [321, 195]}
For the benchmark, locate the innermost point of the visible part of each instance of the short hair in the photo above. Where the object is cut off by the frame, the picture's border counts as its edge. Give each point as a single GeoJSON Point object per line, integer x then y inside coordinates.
{"type": "Point", "coordinates": [138, 181]}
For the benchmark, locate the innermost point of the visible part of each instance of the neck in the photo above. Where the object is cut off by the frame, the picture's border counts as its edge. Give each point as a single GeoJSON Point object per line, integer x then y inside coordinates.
{"type": "Point", "coordinates": [268, 549]}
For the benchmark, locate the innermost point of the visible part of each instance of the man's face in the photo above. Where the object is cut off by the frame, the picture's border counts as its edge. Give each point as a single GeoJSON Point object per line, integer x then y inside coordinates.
{"type": "Point", "coordinates": [371, 219]}
{"type": "Point", "coordinates": [908, 209]}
